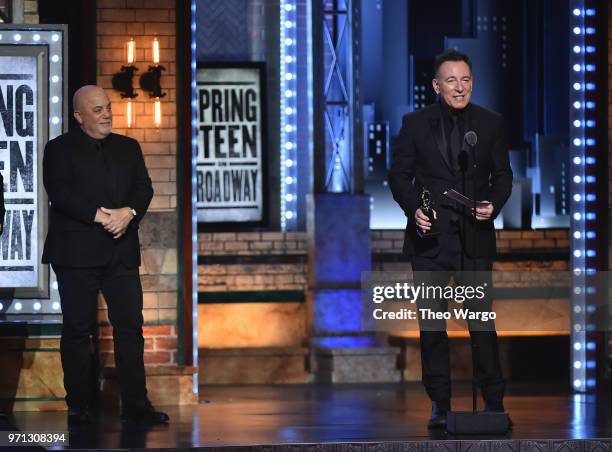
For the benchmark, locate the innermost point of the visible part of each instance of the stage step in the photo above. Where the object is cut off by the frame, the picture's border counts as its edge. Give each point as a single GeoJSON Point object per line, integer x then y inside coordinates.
{"type": "Point", "coordinates": [266, 365]}
{"type": "Point", "coordinates": [166, 385]}
{"type": "Point", "coordinates": [355, 364]}
{"type": "Point", "coordinates": [31, 378]}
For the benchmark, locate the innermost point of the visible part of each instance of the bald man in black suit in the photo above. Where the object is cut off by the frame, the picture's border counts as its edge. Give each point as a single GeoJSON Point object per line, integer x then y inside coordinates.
{"type": "Point", "coordinates": [99, 190]}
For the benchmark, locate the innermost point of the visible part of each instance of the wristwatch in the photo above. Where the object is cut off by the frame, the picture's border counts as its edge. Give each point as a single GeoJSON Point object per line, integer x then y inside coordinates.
{"type": "Point", "coordinates": [133, 211]}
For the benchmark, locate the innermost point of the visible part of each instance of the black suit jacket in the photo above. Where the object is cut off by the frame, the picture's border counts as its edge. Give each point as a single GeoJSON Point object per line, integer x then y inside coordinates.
{"type": "Point", "coordinates": [420, 160]}
{"type": "Point", "coordinates": [77, 184]}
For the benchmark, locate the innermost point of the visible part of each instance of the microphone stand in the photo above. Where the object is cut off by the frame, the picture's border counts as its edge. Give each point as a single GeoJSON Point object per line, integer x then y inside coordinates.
{"type": "Point", "coordinates": [474, 220]}
{"type": "Point", "coordinates": [463, 163]}
{"type": "Point", "coordinates": [473, 422]}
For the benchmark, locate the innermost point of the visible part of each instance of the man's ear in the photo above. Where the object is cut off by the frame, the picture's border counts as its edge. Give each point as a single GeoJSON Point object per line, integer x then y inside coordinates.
{"type": "Point", "coordinates": [78, 118]}
{"type": "Point", "coordinates": [436, 88]}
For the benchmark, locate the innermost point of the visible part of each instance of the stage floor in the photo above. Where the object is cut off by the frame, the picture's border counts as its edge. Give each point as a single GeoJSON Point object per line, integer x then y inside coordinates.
{"type": "Point", "coordinates": [289, 414]}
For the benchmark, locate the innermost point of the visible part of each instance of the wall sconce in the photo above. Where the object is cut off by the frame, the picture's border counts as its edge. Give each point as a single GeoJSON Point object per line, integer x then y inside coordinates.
{"type": "Point", "coordinates": [122, 80]}
{"type": "Point", "coordinates": [150, 82]}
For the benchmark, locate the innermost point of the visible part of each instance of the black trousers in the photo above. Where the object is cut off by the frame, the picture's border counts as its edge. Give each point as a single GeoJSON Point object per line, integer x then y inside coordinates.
{"type": "Point", "coordinates": [435, 357]}
{"type": "Point", "coordinates": [78, 289]}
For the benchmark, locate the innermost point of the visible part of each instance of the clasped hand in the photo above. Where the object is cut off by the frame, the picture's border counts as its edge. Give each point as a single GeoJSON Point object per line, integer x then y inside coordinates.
{"type": "Point", "coordinates": [114, 221]}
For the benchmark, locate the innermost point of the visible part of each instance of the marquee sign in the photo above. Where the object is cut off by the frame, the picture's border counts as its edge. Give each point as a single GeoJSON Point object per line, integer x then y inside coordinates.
{"type": "Point", "coordinates": [31, 112]}
{"type": "Point", "coordinates": [230, 143]}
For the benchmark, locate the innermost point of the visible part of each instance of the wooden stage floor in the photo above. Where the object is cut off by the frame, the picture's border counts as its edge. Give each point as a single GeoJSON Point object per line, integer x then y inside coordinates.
{"type": "Point", "coordinates": [390, 416]}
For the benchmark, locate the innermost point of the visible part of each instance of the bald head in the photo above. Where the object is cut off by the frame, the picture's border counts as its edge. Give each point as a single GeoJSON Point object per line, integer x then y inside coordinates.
{"type": "Point", "coordinates": [82, 93]}
{"type": "Point", "coordinates": [92, 110]}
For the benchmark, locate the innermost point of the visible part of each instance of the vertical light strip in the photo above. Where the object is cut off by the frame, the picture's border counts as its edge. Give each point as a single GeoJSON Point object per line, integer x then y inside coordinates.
{"type": "Point", "coordinates": [194, 198]}
{"type": "Point", "coordinates": [583, 191]}
{"type": "Point", "coordinates": [309, 81]}
{"type": "Point", "coordinates": [288, 115]}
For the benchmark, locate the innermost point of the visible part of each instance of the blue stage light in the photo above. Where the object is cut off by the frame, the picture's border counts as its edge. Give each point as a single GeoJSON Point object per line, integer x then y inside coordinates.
{"type": "Point", "coordinates": [288, 129]}
{"type": "Point", "coordinates": [194, 216]}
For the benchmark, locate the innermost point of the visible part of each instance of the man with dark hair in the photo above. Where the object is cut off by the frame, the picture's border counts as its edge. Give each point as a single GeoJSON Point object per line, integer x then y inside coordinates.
{"type": "Point", "coordinates": [99, 190]}
{"type": "Point", "coordinates": [451, 55]}
{"type": "Point", "coordinates": [431, 154]}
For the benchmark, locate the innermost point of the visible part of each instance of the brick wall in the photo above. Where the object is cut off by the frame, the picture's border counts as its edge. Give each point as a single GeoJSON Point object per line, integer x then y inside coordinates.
{"type": "Point", "coordinates": [248, 272]}
{"type": "Point", "coordinates": [251, 243]}
{"type": "Point", "coordinates": [239, 261]}
{"type": "Point", "coordinates": [117, 22]}
{"type": "Point", "coordinates": [507, 241]}
{"type": "Point", "coordinates": [25, 11]}
{"type": "Point", "coordinates": [160, 345]}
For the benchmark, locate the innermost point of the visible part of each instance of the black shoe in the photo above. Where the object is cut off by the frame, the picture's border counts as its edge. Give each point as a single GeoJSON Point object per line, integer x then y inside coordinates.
{"type": "Point", "coordinates": [438, 416]}
{"type": "Point", "coordinates": [78, 417]}
{"type": "Point", "coordinates": [499, 407]}
{"type": "Point", "coordinates": [144, 416]}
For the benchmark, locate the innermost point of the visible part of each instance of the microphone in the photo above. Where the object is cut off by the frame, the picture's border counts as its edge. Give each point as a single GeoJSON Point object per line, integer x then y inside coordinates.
{"type": "Point", "coordinates": [470, 138]}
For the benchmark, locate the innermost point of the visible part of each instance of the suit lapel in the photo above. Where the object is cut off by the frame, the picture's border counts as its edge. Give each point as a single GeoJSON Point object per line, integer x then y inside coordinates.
{"type": "Point", "coordinates": [437, 130]}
